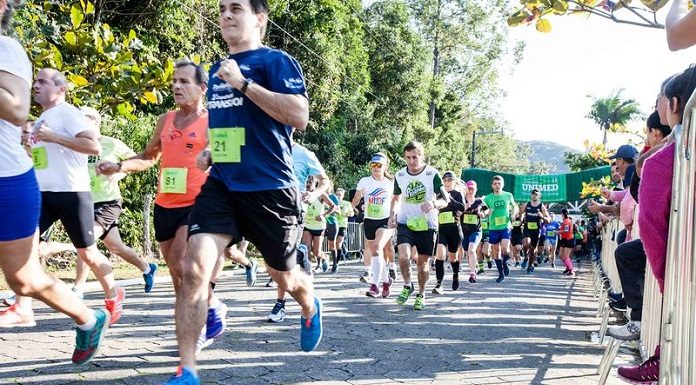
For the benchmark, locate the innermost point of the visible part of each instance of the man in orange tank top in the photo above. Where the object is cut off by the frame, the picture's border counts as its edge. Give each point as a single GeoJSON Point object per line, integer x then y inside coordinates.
{"type": "Point", "coordinates": [178, 138]}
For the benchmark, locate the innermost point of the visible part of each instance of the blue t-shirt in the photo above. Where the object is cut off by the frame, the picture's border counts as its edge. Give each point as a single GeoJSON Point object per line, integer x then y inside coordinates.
{"type": "Point", "coordinates": [305, 164]}
{"type": "Point", "coordinates": [331, 219]}
{"type": "Point", "coordinates": [259, 156]}
{"type": "Point", "coordinates": [552, 230]}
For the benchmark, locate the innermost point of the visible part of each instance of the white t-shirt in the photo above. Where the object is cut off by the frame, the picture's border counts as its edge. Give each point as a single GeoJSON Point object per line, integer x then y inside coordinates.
{"type": "Point", "coordinates": [13, 159]}
{"type": "Point", "coordinates": [416, 190]}
{"type": "Point", "coordinates": [378, 196]}
{"type": "Point", "coordinates": [62, 169]}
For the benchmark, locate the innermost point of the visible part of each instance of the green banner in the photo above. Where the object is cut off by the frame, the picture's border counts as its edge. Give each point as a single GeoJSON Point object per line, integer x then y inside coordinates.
{"type": "Point", "coordinates": [554, 188]}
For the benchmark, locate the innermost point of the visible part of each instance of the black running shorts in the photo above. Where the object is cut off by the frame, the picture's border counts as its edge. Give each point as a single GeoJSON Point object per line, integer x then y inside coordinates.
{"type": "Point", "coordinates": [268, 219]}
{"type": "Point", "coordinates": [75, 211]}
{"type": "Point", "coordinates": [533, 237]}
{"type": "Point", "coordinates": [372, 225]}
{"type": "Point", "coordinates": [423, 240]}
{"type": "Point", "coordinates": [106, 215]}
{"type": "Point", "coordinates": [567, 243]}
{"type": "Point", "coordinates": [169, 220]}
{"type": "Point", "coordinates": [451, 236]}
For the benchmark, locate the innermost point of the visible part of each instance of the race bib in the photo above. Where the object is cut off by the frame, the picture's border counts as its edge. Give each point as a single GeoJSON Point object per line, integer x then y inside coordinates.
{"type": "Point", "coordinates": [417, 223]}
{"type": "Point", "coordinates": [226, 144]}
{"type": "Point", "coordinates": [550, 234]}
{"type": "Point", "coordinates": [471, 219]}
{"type": "Point", "coordinates": [516, 223]}
{"type": "Point", "coordinates": [375, 210]}
{"type": "Point", "coordinates": [173, 180]}
{"type": "Point", "coordinates": [500, 221]}
{"type": "Point", "coordinates": [96, 184]}
{"type": "Point", "coordinates": [484, 225]}
{"type": "Point", "coordinates": [40, 157]}
{"type": "Point", "coordinates": [446, 217]}
{"type": "Point", "coordinates": [532, 225]}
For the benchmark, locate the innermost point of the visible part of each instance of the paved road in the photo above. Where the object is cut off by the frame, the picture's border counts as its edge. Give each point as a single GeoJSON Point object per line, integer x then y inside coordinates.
{"type": "Point", "coordinates": [528, 330]}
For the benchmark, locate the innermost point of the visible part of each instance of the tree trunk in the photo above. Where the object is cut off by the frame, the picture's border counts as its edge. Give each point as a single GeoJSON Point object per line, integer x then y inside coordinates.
{"type": "Point", "coordinates": [436, 63]}
{"type": "Point", "coordinates": [604, 141]}
{"type": "Point", "coordinates": [147, 242]}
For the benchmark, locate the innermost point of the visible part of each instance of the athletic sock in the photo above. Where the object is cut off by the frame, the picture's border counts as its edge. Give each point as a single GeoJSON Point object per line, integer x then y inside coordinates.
{"type": "Point", "coordinates": [90, 324]}
{"type": "Point", "coordinates": [376, 269]}
{"type": "Point", "coordinates": [506, 258]}
{"type": "Point", "coordinates": [334, 257]}
{"type": "Point", "coordinates": [455, 268]}
{"type": "Point", "coordinates": [147, 269]}
{"type": "Point", "coordinates": [499, 265]}
{"type": "Point", "coordinates": [439, 271]}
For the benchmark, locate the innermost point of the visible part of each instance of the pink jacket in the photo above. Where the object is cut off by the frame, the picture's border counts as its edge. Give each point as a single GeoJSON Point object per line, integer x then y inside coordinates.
{"type": "Point", "coordinates": [656, 198]}
{"type": "Point", "coordinates": [627, 205]}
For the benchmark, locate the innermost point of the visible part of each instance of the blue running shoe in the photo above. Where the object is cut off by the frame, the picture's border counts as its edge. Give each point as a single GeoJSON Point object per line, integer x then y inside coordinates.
{"type": "Point", "coordinates": [311, 329]}
{"type": "Point", "coordinates": [303, 259]}
{"type": "Point", "coordinates": [183, 377]}
{"type": "Point", "coordinates": [150, 277]}
{"type": "Point", "coordinates": [500, 278]}
{"type": "Point", "coordinates": [217, 321]}
{"type": "Point", "coordinates": [251, 273]}
{"type": "Point", "coordinates": [524, 264]}
{"type": "Point", "coordinates": [87, 341]}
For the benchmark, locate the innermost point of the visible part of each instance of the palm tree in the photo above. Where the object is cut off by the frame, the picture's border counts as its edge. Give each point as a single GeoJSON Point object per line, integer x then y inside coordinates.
{"type": "Point", "coordinates": [613, 113]}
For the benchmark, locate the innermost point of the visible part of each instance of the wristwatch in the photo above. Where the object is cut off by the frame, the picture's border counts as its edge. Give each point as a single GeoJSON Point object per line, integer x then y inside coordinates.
{"type": "Point", "coordinates": [247, 83]}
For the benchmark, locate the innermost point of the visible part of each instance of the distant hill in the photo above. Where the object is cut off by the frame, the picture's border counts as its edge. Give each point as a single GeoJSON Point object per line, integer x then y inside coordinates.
{"type": "Point", "coordinates": [549, 152]}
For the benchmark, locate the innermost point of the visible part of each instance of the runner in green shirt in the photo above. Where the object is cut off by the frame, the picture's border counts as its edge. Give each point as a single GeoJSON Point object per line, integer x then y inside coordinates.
{"type": "Point", "coordinates": [484, 248]}
{"type": "Point", "coordinates": [345, 210]}
{"type": "Point", "coordinates": [502, 207]}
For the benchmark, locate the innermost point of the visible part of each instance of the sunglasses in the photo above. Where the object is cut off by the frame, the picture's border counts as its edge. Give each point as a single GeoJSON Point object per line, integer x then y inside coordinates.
{"type": "Point", "coordinates": [375, 165]}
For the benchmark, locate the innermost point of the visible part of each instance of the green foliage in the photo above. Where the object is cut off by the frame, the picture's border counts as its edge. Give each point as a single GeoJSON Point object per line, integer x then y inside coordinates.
{"type": "Point", "coordinates": [619, 11]}
{"type": "Point", "coordinates": [109, 70]}
{"type": "Point", "coordinates": [595, 155]}
{"type": "Point", "coordinates": [612, 113]}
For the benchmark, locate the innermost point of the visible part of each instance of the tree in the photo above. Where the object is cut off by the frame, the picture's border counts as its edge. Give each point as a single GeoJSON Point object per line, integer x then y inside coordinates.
{"type": "Point", "coordinates": [619, 11]}
{"type": "Point", "coordinates": [595, 155]}
{"type": "Point", "coordinates": [612, 113]}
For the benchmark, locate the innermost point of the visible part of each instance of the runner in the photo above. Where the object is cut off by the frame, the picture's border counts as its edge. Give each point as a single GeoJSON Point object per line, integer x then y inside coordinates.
{"type": "Point", "coordinates": [256, 95]}
{"type": "Point", "coordinates": [484, 248]}
{"type": "Point", "coordinates": [566, 242]}
{"type": "Point", "coordinates": [474, 211]}
{"type": "Point", "coordinates": [517, 241]}
{"type": "Point", "coordinates": [345, 210]}
{"type": "Point", "coordinates": [305, 164]}
{"type": "Point", "coordinates": [534, 214]}
{"type": "Point", "coordinates": [578, 234]}
{"type": "Point", "coordinates": [449, 233]}
{"type": "Point", "coordinates": [551, 240]}
{"type": "Point", "coordinates": [178, 137]}
{"type": "Point", "coordinates": [541, 248]}
{"type": "Point", "coordinates": [416, 216]}
{"type": "Point", "coordinates": [503, 207]}
{"type": "Point", "coordinates": [377, 191]}
{"type": "Point", "coordinates": [315, 223]}
{"type": "Point", "coordinates": [19, 189]}
{"type": "Point", "coordinates": [60, 143]}
{"type": "Point", "coordinates": [332, 231]}
{"type": "Point", "coordinates": [108, 205]}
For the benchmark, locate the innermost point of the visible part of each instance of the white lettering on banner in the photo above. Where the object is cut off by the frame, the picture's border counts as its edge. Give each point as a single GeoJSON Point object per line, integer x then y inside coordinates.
{"type": "Point", "coordinates": [540, 187]}
{"type": "Point", "coordinates": [222, 87]}
{"type": "Point", "coordinates": [218, 104]}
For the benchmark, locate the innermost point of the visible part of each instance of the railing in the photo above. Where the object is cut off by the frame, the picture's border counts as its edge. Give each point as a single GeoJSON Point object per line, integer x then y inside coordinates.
{"type": "Point", "coordinates": [354, 239]}
{"type": "Point", "coordinates": [678, 345]}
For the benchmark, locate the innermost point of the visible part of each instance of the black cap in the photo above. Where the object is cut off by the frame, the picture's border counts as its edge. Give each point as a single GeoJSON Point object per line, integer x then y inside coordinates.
{"type": "Point", "coordinates": [448, 174]}
{"type": "Point", "coordinates": [535, 191]}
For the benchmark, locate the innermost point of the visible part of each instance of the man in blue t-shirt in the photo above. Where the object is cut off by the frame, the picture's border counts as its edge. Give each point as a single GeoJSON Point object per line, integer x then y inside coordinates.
{"type": "Point", "coordinates": [255, 96]}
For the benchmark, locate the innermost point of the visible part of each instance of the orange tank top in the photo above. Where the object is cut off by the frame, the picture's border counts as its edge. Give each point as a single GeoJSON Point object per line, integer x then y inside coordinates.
{"type": "Point", "coordinates": [180, 147]}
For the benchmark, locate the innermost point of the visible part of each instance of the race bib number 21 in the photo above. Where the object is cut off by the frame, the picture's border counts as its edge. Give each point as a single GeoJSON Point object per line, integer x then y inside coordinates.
{"type": "Point", "coordinates": [226, 144]}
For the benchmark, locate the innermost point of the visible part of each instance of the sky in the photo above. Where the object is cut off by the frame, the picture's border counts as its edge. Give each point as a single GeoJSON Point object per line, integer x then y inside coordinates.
{"type": "Point", "coordinates": [547, 92]}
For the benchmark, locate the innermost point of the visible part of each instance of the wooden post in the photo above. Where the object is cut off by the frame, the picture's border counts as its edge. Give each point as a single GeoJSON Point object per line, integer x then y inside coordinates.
{"type": "Point", "coordinates": [147, 242]}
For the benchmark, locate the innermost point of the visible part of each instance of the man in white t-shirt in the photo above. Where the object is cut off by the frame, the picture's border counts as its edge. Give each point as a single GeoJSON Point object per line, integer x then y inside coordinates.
{"type": "Point", "coordinates": [61, 142]}
{"type": "Point", "coordinates": [20, 202]}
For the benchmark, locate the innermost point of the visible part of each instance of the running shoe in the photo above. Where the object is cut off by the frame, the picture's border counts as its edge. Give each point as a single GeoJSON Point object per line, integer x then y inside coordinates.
{"type": "Point", "coordinates": [455, 283]}
{"type": "Point", "coordinates": [78, 293]}
{"type": "Point", "coordinates": [87, 341]}
{"type": "Point", "coordinates": [472, 278]}
{"type": "Point", "coordinates": [480, 268]}
{"type": "Point", "coordinates": [183, 377]}
{"type": "Point", "coordinates": [490, 262]}
{"type": "Point", "coordinates": [278, 313]}
{"type": "Point", "coordinates": [311, 329]}
{"type": "Point", "coordinates": [437, 290]}
{"type": "Point", "coordinates": [392, 274]}
{"type": "Point", "coordinates": [571, 273]}
{"type": "Point", "coordinates": [115, 305]}
{"type": "Point", "coordinates": [530, 269]}
{"type": "Point", "coordinates": [365, 278]}
{"type": "Point", "coordinates": [553, 265]}
{"type": "Point", "coordinates": [17, 317]}
{"type": "Point", "coordinates": [270, 282]}
{"type": "Point", "coordinates": [619, 305]}
{"type": "Point", "coordinates": [506, 267]}
{"type": "Point", "coordinates": [251, 273]}
{"type": "Point", "coordinates": [217, 321]}
{"type": "Point", "coordinates": [524, 264]}
{"type": "Point", "coordinates": [150, 277]}
{"type": "Point", "coordinates": [386, 288]}
{"type": "Point", "coordinates": [628, 332]}
{"type": "Point", "coordinates": [9, 301]}
{"type": "Point", "coordinates": [420, 302]}
{"type": "Point", "coordinates": [615, 297]}
{"type": "Point", "coordinates": [203, 341]}
{"type": "Point", "coordinates": [566, 271]}
{"type": "Point", "coordinates": [324, 265]}
{"type": "Point", "coordinates": [517, 264]}
{"type": "Point", "coordinates": [646, 373]}
{"type": "Point", "coordinates": [500, 278]}
{"type": "Point", "coordinates": [305, 263]}
{"type": "Point", "coordinates": [405, 293]}
{"type": "Point", "coordinates": [373, 292]}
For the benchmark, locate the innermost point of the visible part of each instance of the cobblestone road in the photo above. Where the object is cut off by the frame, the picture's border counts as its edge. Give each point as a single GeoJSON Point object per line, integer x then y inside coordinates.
{"type": "Point", "coordinates": [528, 330]}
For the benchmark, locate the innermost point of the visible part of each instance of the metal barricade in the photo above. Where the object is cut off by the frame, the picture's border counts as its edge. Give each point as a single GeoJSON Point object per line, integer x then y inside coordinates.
{"type": "Point", "coordinates": [678, 344]}
{"type": "Point", "coordinates": [353, 240]}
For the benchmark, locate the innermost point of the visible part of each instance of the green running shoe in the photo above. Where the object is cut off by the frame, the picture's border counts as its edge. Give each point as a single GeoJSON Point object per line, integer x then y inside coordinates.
{"type": "Point", "coordinates": [420, 302]}
{"type": "Point", "coordinates": [405, 293]}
